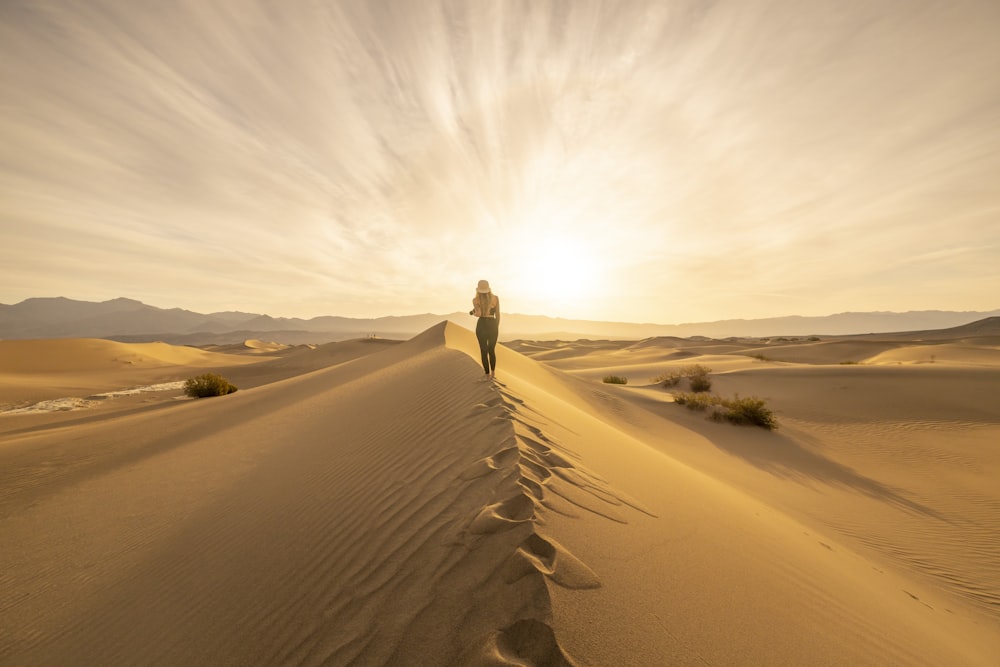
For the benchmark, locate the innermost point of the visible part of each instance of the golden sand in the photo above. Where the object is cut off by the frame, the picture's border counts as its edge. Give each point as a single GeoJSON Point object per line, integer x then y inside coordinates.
{"type": "Point", "coordinates": [381, 503]}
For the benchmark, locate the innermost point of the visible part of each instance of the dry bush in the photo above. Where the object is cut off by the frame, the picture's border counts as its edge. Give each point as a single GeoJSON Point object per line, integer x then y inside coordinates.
{"type": "Point", "coordinates": [700, 383]}
{"type": "Point", "coordinates": [696, 374]}
{"type": "Point", "coordinates": [748, 411]}
{"type": "Point", "coordinates": [208, 384]}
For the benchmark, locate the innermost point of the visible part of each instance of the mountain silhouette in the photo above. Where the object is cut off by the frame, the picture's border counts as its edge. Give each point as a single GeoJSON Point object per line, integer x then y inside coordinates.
{"type": "Point", "coordinates": [133, 321]}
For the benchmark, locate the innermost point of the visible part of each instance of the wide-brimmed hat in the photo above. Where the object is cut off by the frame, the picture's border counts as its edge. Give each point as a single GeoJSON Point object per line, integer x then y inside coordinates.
{"type": "Point", "coordinates": [483, 287]}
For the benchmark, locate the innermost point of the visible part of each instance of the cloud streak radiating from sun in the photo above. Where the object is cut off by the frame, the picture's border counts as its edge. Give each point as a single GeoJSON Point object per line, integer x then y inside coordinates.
{"type": "Point", "coordinates": [640, 161]}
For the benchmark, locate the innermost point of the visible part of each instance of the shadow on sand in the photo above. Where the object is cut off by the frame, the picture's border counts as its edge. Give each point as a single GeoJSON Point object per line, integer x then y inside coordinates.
{"type": "Point", "coordinates": [783, 455]}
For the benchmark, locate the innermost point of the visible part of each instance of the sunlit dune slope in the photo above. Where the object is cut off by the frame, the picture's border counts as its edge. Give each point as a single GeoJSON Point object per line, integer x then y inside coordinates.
{"type": "Point", "coordinates": [401, 509]}
{"type": "Point", "coordinates": [917, 438]}
{"type": "Point", "coordinates": [259, 346]}
{"type": "Point", "coordinates": [961, 354]}
{"type": "Point", "coordinates": [61, 355]}
{"type": "Point", "coordinates": [606, 406]}
{"type": "Point", "coordinates": [37, 370]}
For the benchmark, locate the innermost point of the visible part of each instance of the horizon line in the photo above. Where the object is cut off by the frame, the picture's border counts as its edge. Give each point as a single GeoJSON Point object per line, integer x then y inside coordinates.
{"type": "Point", "coordinates": [513, 314]}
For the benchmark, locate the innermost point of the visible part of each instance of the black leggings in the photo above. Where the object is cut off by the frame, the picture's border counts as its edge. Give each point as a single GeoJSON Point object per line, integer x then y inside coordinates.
{"type": "Point", "coordinates": [487, 329]}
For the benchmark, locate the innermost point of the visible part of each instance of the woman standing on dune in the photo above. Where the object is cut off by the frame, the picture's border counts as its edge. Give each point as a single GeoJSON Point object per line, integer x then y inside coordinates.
{"type": "Point", "coordinates": [486, 306]}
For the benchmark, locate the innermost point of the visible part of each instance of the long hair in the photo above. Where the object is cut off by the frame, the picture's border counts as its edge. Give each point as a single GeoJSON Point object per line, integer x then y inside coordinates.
{"type": "Point", "coordinates": [485, 298]}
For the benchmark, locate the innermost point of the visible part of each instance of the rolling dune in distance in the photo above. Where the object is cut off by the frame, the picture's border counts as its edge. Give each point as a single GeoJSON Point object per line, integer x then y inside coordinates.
{"type": "Point", "coordinates": [62, 375]}
{"type": "Point", "coordinates": [391, 506]}
{"type": "Point", "coordinates": [35, 370]}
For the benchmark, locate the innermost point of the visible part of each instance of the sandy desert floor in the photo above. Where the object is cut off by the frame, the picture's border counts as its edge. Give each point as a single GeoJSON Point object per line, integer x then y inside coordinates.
{"type": "Point", "coordinates": [378, 502]}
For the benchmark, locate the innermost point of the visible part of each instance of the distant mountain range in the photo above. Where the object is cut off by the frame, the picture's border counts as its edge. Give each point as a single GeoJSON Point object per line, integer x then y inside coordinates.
{"type": "Point", "coordinates": [133, 321]}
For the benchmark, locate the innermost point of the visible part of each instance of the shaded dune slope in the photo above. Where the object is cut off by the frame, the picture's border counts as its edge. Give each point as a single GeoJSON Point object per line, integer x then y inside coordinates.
{"type": "Point", "coordinates": [398, 509]}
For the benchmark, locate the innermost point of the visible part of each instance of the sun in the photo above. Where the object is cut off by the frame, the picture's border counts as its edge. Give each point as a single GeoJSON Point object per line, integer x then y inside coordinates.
{"type": "Point", "coordinates": [555, 273]}
{"type": "Point", "coordinates": [554, 252]}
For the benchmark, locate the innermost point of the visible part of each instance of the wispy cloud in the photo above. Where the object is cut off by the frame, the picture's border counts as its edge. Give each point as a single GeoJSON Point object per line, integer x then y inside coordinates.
{"type": "Point", "coordinates": [633, 160]}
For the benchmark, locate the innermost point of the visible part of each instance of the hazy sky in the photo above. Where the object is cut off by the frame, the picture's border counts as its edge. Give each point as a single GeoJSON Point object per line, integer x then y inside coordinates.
{"type": "Point", "coordinates": [663, 161]}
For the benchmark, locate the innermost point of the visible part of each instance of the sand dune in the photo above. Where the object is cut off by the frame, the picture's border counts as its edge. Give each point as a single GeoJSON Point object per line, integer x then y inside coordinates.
{"type": "Point", "coordinates": [396, 508]}
{"type": "Point", "coordinates": [37, 370]}
{"type": "Point", "coordinates": [264, 346]}
{"type": "Point", "coordinates": [67, 375]}
{"type": "Point", "coordinates": [86, 354]}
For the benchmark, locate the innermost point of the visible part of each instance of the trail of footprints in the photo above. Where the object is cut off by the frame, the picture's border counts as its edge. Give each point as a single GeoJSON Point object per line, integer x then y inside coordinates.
{"type": "Point", "coordinates": [538, 473]}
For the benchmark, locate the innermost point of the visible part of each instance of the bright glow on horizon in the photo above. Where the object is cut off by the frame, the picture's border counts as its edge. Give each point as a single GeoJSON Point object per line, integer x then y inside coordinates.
{"type": "Point", "coordinates": [636, 161]}
{"type": "Point", "coordinates": [555, 273]}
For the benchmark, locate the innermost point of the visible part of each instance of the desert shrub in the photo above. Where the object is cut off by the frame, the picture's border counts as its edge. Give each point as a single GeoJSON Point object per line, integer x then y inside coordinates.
{"type": "Point", "coordinates": [694, 370]}
{"type": "Point", "coordinates": [696, 401]}
{"type": "Point", "coordinates": [615, 379]}
{"type": "Point", "coordinates": [812, 339]}
{"type": "Point", "coordinates": [759, 356]}
{"type": "Point", "coordinates": [667, 379]}
{"type": "Point", "coordinates": [749, 411]}
{"type": "Point", "coordinates": [848, 363]}
{"type": "Point", "coordinates": [700, 383]}
{"type": "Point", "coordinates": [695, 373]}
{"type": "Point", "coordinates": [208, 384]}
